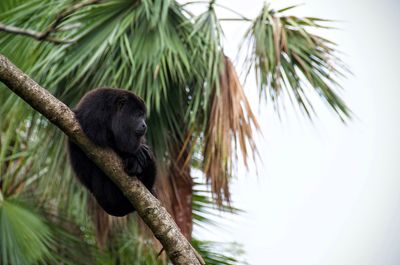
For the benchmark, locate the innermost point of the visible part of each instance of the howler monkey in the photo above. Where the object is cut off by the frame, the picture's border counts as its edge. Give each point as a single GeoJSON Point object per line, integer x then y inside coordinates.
{"type": "Point", "coordinates": [113, 118]}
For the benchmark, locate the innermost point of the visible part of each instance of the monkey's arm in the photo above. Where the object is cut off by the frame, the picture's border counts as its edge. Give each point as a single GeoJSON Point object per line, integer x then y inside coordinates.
{"type": "Point", "coordinates": [142, 165]}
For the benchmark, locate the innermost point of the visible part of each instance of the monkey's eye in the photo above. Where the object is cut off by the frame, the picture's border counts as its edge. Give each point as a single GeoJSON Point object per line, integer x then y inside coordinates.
{"type": "Point", "coordinates": [140, 114]}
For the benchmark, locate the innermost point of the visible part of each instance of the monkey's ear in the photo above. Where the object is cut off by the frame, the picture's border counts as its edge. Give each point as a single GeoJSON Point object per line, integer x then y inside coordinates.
{"type": "Point", "coordinates": [121, 102]}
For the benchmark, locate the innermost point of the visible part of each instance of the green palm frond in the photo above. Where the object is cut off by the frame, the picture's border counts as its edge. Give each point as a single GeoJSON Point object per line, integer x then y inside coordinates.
{"type": "Point", "coordinates": [207, 216]}
{"type": "Point", "coordinates": [287, 55]}
{"type": "Point", "coordinates": [24, 236]}
{"type": "Point", "coordinates": [127, 245]}
{"type": "Point", "coordinates": [216, 253]}
{"type": "Point", "coordinates": [8, 4]}
{"type": "Point", "coordinates": [204, 211]}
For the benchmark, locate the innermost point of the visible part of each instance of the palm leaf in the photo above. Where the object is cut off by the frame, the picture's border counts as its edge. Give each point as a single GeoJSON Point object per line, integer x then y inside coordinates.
{"type": "Point", "coordinates": [216, 253]}
{"type": "Point", "coordinates": [286, 55]}
{"type": "Point", "coordinates": [24, 236]}
{"type": "Point", "coordinates": [231, 120]}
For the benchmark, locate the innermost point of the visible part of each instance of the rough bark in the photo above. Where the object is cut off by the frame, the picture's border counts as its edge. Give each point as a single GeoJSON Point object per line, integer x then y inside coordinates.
{"type": "Point", "coordinates": [148, 207]}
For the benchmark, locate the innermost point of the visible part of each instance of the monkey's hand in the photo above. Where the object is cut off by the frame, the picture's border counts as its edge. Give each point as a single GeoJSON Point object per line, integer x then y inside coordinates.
{"type": "Point", "coordinates": [136, 164]}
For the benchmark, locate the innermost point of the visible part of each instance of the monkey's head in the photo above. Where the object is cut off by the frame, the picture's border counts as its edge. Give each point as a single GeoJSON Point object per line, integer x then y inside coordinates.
{"type": "Point", "coordinates": [128, 124]}
{"type": "Point", "coordinates": [113, 118]}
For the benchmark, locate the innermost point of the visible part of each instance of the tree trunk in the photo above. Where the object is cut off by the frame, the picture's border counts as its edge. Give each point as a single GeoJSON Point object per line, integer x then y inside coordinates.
{"type": "Point", "coordinates": [182, 203]}
{"type": "Point", "coordinates": [182, 185]}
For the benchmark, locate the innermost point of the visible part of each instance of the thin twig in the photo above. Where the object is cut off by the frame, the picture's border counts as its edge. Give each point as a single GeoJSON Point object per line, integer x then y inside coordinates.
{"type": "Point", "coordinates": [235, 19]}
{"type": "Point", "coordinates": [31, 33]}
{"type": "Point", "coordinates": [65, 13]}
{"type": "Point", "coordinates": [45, 35]}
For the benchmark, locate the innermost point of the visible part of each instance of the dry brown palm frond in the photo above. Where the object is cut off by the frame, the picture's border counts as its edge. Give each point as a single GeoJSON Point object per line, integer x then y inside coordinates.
{"type": "Point", "coordinates": [230, 125]}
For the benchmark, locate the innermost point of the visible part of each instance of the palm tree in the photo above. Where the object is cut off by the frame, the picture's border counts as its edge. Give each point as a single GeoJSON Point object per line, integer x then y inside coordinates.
{"type": "Point", "coordinates": [199, 116]}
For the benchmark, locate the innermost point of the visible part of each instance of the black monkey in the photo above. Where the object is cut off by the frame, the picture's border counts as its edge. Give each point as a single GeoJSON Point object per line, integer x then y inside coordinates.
{"type": "Point", "coordinates": [113, 118]}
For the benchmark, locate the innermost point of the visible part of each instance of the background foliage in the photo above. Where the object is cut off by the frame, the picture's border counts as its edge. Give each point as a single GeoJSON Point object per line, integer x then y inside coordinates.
{"type": "Point", "coordinates": [199, 117]}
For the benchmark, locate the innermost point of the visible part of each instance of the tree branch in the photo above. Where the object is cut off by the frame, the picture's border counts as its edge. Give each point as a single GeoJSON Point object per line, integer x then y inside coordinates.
{"type": "Point", "coordinates": [45, 35]}
{"type": "Point", "coordinates": [148, 207]}
{"type": "Point", "coordinates": [65, 13]}
{"type": "Point", "coordinates": [31, 33]}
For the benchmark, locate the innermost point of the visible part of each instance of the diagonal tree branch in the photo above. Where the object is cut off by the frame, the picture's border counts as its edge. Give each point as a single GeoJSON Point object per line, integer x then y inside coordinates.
{"type": "Point", "coordinates": [149, 208]}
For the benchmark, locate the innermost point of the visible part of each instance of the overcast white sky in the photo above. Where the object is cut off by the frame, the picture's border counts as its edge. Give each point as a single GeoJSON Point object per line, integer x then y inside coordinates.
{"type": "Point", "coordinates": [328, 193]}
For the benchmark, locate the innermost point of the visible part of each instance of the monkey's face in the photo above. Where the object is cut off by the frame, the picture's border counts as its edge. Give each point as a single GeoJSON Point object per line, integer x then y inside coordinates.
{"type": "Point", "coordinates": [129, 127]}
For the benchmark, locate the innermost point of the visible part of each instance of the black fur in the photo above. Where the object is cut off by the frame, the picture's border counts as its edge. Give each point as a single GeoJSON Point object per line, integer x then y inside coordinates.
{"type": "Point", "coordinates": [113, 118]}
